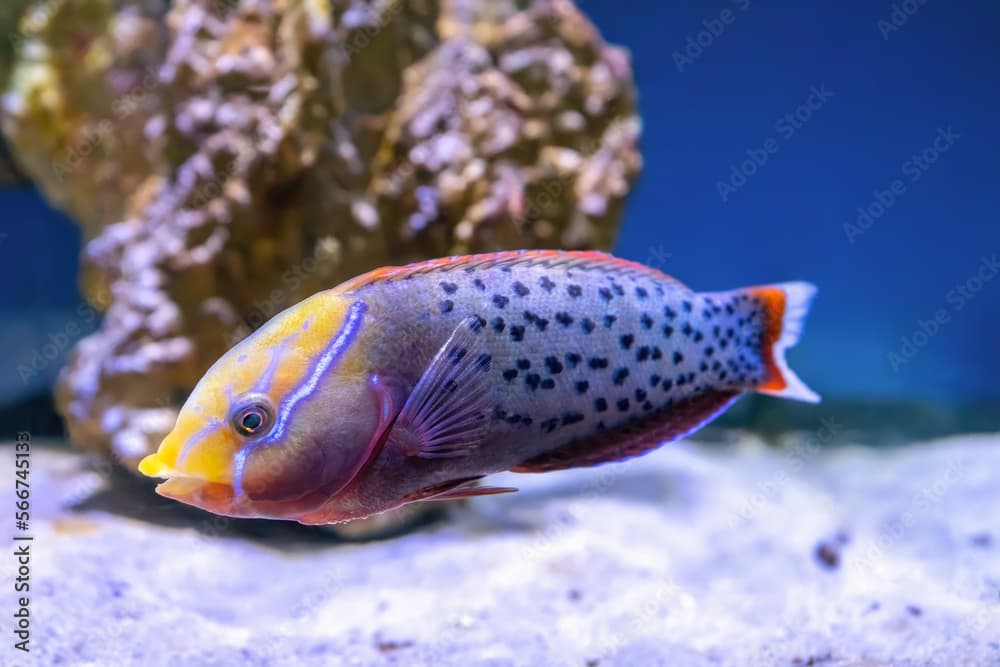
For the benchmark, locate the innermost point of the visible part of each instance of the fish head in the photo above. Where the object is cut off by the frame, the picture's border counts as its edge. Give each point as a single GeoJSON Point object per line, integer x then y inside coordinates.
{"type": "Point", "coordinates": [280, 423]}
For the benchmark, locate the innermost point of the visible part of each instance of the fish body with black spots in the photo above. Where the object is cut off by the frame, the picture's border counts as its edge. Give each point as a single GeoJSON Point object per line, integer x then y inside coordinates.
{"type": "Point", "coordinates": [412, 383]}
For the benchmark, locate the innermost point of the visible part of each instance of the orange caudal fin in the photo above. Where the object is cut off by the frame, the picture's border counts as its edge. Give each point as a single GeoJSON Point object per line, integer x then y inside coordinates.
{"type": "Point", "coordinates": [786, 306]}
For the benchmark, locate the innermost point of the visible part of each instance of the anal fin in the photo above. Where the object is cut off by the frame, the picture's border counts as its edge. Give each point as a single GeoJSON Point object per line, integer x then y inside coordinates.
{"type": "Point", "coordinates": [467, 487]}
{"type": "Point", "coordinates": [636, 438]}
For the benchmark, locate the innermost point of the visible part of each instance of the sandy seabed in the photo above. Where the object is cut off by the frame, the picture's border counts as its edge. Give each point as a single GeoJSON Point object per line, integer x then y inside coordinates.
{"type": "Point", "coordinates": [739, 554]}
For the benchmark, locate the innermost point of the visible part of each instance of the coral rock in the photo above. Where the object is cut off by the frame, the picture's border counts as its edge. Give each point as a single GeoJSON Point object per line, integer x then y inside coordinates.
{"type": "Point", "coordinates": [227, 159]}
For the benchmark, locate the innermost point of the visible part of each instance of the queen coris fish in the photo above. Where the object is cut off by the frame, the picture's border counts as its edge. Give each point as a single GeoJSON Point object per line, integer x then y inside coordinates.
{"type": "Point", "coordinates": [412, 383]}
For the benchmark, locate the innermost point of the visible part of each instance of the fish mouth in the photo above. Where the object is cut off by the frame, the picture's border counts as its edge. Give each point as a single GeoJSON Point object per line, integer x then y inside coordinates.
{"type": "Point", "coordinates": [214, 497]}
{"type": "Point", "coordinates": [220, 498]}
{"type": "Point", "coordinates": [153, 465]}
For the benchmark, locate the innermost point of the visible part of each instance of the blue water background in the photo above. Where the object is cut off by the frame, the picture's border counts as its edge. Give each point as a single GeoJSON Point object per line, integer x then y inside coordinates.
{"type": "Point", "coordinates": [885, 92]}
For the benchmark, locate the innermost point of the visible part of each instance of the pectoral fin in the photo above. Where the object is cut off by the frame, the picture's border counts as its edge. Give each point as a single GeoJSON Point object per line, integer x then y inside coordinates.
{"type": "Point", "coordinates": [447, 414]}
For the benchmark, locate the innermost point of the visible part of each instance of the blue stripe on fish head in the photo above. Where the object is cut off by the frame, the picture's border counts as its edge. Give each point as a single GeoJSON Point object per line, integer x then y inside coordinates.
{"type": "Point", "coordinates": [295, 400]}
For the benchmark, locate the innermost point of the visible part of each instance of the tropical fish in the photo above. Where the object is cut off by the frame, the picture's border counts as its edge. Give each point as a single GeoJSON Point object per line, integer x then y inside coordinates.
{"type": "Point", "coordinates": [413, 383]}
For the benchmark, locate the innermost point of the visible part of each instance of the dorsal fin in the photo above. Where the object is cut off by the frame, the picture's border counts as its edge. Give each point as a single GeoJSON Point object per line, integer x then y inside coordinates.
{"type": "Point", "coordinates": [587, 260]}
{"type": "Point", "coordinates": [636, 438]}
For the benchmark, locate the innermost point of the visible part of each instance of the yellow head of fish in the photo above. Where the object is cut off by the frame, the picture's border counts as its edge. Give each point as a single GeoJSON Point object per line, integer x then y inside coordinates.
{"type": "Point", "coordinates": [268, 432]}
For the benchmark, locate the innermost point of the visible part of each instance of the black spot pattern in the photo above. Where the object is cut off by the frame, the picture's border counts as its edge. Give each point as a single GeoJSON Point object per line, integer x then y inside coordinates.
{"type": "Point", "coordinates": [652, 344]}
{"type": "Point", "coordinates": [553, 365]}
{"type": "Point", "coordinates": [532, 318]}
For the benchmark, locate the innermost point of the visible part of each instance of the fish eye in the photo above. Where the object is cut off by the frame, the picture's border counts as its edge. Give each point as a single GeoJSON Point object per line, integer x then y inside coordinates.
{"type": "Point", "coordinates": [252, 417]}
